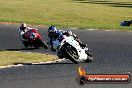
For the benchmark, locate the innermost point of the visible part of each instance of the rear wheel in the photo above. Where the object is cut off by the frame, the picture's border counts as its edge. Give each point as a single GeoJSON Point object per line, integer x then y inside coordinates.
{"type": "Point", "coordinates": [72, 54]}
{"type": "Point", "coordinates": [36, 43]}
{"type": "Point", "coordinates": [25, 43]}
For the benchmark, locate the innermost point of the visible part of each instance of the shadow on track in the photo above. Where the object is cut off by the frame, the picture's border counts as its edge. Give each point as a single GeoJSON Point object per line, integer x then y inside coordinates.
{"type": "Point", "coordinates": [18, 49]}
{"type": "Point", "coordinates": [55, 63]}
{"type": "Point", "coordinates": [21, 49]}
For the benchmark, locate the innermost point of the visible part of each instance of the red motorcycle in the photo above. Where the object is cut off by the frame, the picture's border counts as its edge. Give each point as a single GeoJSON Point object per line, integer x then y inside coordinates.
{"type": "Point", "coordinates": [33, 38]}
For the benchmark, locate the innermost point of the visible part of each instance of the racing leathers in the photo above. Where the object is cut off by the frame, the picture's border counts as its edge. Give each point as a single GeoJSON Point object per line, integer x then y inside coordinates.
{"type": "Point", "coordinates": [58, 35]}
{"type": "Point", "coordinates": [52, 36]}
{"type": "Point", "coordinates": [23, 31]}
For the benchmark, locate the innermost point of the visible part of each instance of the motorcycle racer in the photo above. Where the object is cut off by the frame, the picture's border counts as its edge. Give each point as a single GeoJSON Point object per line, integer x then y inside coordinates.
{"type": "Point", "coordinates": [31, 37]}
{"type": "Point", "coordinates": [54, 34]}
{"type": "Point", "coordinates": [23, 29]}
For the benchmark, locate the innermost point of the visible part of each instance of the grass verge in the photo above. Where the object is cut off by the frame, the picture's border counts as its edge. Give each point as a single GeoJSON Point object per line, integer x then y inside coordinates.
{"type": "Point", "coordinates": [97, 14]}
{"type": "Point", "coordinates": [12, 57]}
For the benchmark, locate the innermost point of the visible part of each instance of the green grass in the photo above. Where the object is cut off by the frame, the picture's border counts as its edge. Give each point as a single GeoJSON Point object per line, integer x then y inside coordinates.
{"type": "Point", "coordinates": [97, 14]}
{"type": "Point", "coordinates": [10, 57]}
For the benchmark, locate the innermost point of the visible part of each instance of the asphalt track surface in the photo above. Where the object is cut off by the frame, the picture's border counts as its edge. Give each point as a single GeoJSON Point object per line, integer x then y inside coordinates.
{"type": "Point", "coordinates": [112, 52]}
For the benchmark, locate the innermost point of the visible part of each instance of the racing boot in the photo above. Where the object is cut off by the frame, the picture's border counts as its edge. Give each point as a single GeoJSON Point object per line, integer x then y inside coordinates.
{"type": "Point", "coordinates": [52, 49]}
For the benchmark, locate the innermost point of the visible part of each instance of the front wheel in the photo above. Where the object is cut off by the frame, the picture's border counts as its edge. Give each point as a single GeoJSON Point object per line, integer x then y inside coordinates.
{"type": "Point", "coordinates": [89, 57]}
{"type": "Point", "coordinates": [72, 54]}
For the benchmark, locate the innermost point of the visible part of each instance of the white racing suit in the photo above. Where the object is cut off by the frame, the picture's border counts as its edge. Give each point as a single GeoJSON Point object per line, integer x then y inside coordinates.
{"type": "Point", "coordinates": [59, 34]}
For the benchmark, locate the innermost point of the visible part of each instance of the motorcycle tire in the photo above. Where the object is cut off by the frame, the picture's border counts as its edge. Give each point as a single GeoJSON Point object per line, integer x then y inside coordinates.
{"type": "Point", "coordinates": [25, 43]}
{"type": "Point", "coordinates": [70, 56]}
{"type": "Point", "coordinates": [36, 44]}
{"type": "Point", "coordinates": [89, 57]}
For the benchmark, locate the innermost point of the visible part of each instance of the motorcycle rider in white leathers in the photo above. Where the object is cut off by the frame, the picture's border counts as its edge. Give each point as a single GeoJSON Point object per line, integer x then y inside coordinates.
{"type": "Point", "coordinates": [54, 34]}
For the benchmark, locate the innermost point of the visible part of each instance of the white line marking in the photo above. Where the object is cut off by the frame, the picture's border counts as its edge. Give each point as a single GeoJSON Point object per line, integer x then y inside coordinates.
{"type": "Point", "coordinates": [47, 62]}
{"type": "Point", "coordinates": [9, 66]}
{"type": "Point", "coordinates": [108, 30]}
{"type": "Point", "coordinates": [59, 60]}
{"type": "Point", "coordinates": [91, 29]}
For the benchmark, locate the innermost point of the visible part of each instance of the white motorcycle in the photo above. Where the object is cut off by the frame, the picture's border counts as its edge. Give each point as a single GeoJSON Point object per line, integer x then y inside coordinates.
{"type": "Point", "coordinates": [70, 48]}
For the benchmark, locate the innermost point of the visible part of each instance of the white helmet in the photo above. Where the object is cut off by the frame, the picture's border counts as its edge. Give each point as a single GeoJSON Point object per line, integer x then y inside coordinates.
{"type": "Point", "coordinates": [23, 26]}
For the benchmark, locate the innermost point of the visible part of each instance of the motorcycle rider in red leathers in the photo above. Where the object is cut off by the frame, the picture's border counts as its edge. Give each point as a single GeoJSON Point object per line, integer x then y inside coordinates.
{"type": "Point", "coordinates": [23, 29]}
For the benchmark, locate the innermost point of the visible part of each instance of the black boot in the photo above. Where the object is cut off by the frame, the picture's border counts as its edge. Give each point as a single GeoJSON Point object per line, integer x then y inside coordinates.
{"type": "Point", "coordinates": [52, 49]}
